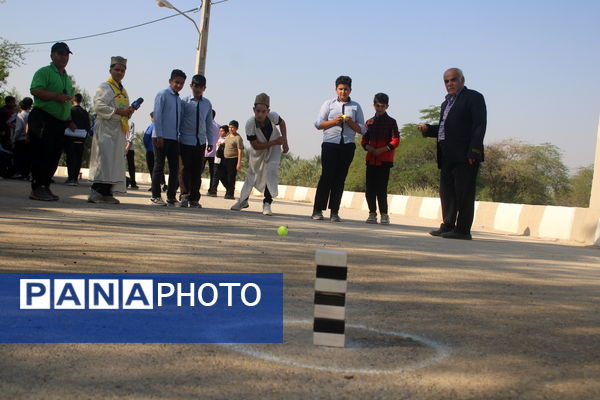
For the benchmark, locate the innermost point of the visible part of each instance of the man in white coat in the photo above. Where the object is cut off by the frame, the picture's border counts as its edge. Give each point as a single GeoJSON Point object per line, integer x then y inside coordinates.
{"type": "Point", "coordinates": [266, 142]}
{"type": "Point", "coordinates": [107, 164]}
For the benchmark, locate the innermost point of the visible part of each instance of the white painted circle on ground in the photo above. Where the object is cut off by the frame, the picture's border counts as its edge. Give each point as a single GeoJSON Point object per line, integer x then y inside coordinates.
{"type": "Point", "coordinates": [382, 350]}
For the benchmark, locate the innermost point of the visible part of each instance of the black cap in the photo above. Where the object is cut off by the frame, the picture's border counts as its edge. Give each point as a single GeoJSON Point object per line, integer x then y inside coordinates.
{"type": "Point", "coordinates": [60, 47]}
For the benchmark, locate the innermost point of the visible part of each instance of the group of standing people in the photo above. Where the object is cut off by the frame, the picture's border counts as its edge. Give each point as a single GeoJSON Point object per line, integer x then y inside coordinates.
{"type": "Point", "coordinates": [184, 135]}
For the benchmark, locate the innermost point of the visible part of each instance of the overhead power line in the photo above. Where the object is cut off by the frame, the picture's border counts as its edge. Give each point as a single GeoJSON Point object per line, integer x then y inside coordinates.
{"type": "Point", "coordinates": [116, 30]}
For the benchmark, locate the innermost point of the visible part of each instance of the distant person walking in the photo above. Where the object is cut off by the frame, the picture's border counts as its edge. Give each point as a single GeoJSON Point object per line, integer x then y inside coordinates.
{"type": "Point", "coordinates": [460, 133]}
{"type": "Point", "coordinates": [130, 156]}
{"type": "Point", "coordinates": [52, 92]}
{"type": "Point", "coordinates": [147, 139]}
{"type": "Point", "coordinates": [22, 146]}
{"type": "Point", "coordinates": [340, 119]}
{"type": "Point", "coordinates": [74, 145]}
{"type": "Point", "coordinates": [231, 162]}
{"type": "Point", "coordinates": [107, 164]}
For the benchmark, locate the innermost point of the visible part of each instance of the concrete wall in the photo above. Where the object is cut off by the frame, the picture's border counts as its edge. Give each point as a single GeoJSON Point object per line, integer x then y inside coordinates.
{"type": "Point", "coordinates": [581, 225]}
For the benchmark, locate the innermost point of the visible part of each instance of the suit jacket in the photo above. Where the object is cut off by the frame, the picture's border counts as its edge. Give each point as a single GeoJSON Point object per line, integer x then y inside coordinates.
{"type": "Point", "coordinates": [464, 129]}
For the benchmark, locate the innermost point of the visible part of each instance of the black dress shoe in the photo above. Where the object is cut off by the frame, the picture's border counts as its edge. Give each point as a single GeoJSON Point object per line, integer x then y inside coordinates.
{"type": "Point", "coordinates": [456, 235]}
{"type": "Point", "coordinates": [439, 232]}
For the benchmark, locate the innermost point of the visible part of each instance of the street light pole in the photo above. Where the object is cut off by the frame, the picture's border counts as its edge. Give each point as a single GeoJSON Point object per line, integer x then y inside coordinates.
{"type": "Point", "coordinates": [202, 31]}
{"type": "Point", "coordinates": [203, 38]}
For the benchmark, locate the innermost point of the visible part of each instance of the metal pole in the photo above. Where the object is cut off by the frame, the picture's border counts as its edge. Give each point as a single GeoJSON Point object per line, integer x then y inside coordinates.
{"type": "Point", "coordinates": [203, 38]}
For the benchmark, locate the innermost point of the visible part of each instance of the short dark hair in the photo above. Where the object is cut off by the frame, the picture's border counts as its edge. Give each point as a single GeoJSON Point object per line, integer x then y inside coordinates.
{"type": "Point", "coordinates": [343, 80]}
{"type": "Point", "coordinates": [234, 123]}
{"type": "Point", "coordinates": [199, 80]}
{"type": "Point", "coordinates": [152, 114]}
{"type": "Point", "coordinates": [224, 127]}
{"type": "Point", "coordinates": [9, 99]}
{"type": "Point", "coordinates": [177, 73]}
{"type": "Point", "coordinates": [381, 98]}
{"type": "Point", "coordinates": [78, 97]}
{"type": "Point", "coordinates": [26, 103]}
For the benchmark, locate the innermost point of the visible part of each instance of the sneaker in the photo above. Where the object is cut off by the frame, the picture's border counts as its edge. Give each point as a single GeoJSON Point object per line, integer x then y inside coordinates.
{"type": "Point", "coordinates": [134, 186]}
{"type": "Point", "coordinates": [334, 217]}
{"type": "Point", "coordinates": [111, 200]}
{"type": "Point", "coordinates": [229, 197]}
{"type": "Point", "coordinates": [157, 201]}
{"type": "Point", "coordinates": [267, 209]}
{"type": "Point", "coordinates": [195, 204]}
{"type": "Point", "coordinates": [211, 194]}
{"type": "Point", "coordinates": [184, 203]}
{"type": "Point", "coordinates": [41, 193]}
{"type": "Point", "coordinates": [238, 205]}
{"type": "Point", "coordinates": [172, 203]}
{"type": "Point", "coordinates": [317, 216]}
{"type": "Point", "coordinates": [96, 197]}
{"type": "Point", "coordinates": [373, 218]}
{"type": "Point", "coordinates": [385, 219]}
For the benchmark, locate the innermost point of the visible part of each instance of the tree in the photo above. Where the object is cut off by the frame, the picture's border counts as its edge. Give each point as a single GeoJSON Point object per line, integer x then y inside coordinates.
{"type": "Point", "coordinates": [11, 55]}
{"type": "Point", "coordinates": [295, 171]}
{"type": "Point", "coordinates": [581, 188]}
{"type": "Point", "coordinates": [518, 172]}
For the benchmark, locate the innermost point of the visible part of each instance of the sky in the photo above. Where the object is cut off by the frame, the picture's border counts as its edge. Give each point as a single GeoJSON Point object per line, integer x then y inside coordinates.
{"type": "Point", "coordinates": [536, 61]}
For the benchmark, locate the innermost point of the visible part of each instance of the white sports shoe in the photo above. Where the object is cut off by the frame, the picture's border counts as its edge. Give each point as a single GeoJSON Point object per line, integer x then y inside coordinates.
{"type": "Point", "coordinates": [267, 209]}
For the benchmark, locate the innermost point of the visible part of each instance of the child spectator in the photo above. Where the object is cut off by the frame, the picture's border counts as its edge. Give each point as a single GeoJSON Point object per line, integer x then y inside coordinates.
{"type": "Point", "coordinates": [381, 139]}
{"type": "Point", "coordinates": [232, 158]}
{"type": "Point", "coordinates": [22, 151]}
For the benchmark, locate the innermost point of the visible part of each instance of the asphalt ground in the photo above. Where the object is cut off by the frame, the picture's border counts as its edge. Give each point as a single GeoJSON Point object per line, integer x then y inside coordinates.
{"type": "Point", "coordinates": [499, 317]}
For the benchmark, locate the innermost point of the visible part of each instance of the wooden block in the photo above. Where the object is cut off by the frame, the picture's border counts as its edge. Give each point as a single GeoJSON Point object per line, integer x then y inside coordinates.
{"type": "Point", "coordinates": [330, 312]}
{"type": "Point", "coordinates": [334, 258]}
{"type": "Point", "coordinates": [331, 285]}
{"type": "Point", "coordinates": [329, 339]}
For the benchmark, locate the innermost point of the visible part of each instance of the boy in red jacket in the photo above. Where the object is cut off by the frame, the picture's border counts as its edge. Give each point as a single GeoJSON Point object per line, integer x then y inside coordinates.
{"type": "Point", "coordinates": [381, 139]}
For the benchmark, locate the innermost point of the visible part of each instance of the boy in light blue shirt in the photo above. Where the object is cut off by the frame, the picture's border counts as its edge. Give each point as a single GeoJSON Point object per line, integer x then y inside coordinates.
{"type": "Point", "coordinates": [168, 112]}
{"type": "Point", "coordinates": [194, 134]}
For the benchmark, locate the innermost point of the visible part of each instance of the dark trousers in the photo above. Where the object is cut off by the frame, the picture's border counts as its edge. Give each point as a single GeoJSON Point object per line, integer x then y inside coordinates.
{"type": "Point", "coordinates": [150, 165]}
{"type": "Point", "coordinates": [22, 158]}
{"type": "Point", "coordinates": [46, 134]}
{"type": "Point", "coordinates": [170, 151]}
{"type": "Point", "coordinates": [228, 174]}
{"type": "Point", "coordinates": [131, 166]}
{"type": "Point", "coordinates": [74, 152]}
{"type": "Point", "coordinates": [335, 161]}
{"type": "Point", "coordinates": [268, 198]}
{"type": "Point", "coordinates": [457, 194]}
{"type": "Point", "coordinates": [214, 180]}
{"type": "Point", "coordinates": [190, 170]}
{"type": "Point", "coordinates": [377, 183]}
{"type": "Point", "coordinates": [105, 189]}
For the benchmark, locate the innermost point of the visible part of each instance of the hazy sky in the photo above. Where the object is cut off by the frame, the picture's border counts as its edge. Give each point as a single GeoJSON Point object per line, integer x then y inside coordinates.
{"type": "Point", "coordinates": [536, 62]}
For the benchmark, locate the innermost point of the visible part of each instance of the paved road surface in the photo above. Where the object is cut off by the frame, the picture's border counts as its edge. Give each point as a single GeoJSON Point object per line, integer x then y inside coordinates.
{"type": "Point", "coordinates": [500, 317]}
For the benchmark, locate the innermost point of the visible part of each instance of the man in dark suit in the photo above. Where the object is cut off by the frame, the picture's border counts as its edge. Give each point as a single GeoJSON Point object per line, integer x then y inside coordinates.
{"type": "Point", "coordinates": [459, 134]}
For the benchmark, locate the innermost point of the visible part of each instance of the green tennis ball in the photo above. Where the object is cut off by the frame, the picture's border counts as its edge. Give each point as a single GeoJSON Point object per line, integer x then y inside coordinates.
{"type": "Point", "coordinates": [282, 230]}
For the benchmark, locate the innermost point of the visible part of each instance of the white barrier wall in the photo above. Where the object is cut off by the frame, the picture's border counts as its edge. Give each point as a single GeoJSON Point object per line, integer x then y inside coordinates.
{"type": "Point", "coordinates": [549, 222]}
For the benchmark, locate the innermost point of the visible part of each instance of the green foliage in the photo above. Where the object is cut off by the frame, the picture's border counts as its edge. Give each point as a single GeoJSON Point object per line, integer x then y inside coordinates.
{"type": "Point", "coordinates": [11, 55]}
{"type": "Point", "coordinates": [295, 171]}
{"type": "Point", "coordinates": [581, 188]}
{"type": "Point", "coordinates": [415, 167]}
{"type": "Point", "coordinates": [517, 172]}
